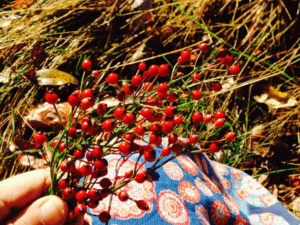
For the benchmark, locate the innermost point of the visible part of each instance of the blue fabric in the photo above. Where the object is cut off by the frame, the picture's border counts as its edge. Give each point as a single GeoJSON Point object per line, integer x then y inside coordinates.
{"type": "Point", "coordinates": [192, 189]}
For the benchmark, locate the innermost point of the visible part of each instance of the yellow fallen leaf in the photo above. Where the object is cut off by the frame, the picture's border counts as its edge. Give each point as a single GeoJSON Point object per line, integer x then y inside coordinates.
{"type": "Point", "coordinates": [54, 77]}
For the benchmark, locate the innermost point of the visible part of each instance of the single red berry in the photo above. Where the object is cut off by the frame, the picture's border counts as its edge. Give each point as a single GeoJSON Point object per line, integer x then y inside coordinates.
{"type": "Point", "coordinates": [137, 80]}
{"type": "Point", "coordinates": [196, 95]}
{"type": "Point", "coordinates": [163, 70]}
{"type": "Point", "coordinates": [178, 120]}
{"type": "Point", "coordinates": [62, 184]}
{"type": "Point", "coordinates": [51, 97]}
{"type": "Point", "coordinates": [167, 127]}
{"type": "Point", "coordinates": [128, 174]}
{"type": "Point", "coordinates": [172, 138]}
{"type": "Point", "coordinates": [119, 113]}
{"type": "Point", "coordinates": [68, 193]}
{"type": "Point", "coordinates": [108, 125]}
{"type": "Point", "coordinates": [180, 74]}
{"type": "Point", "coordinates": [216, 87]}
{"type": "Point", "coordinates": [104, 217]}
{"type": "Point", "coordinates": [72, 132]}
{"type": "Point", "coordinates": [170, 111]}
{"type": "Point", "coordinates": [215, 147]}
{"type": "Point", "coordinates": [162, 95]}
{"type": "Point", "coordinates": [227, 60]}
{"type": "Point", "coordinates": [146, 76]}
{"type": "Point", "coordinates": [86, 169]}
{"type": "Point", "coordinates": [158, 143]}
{"type": "Point", "coordinates": [86, 127]}
{"type": "Point", "coordinates": [39, 138]}
{"type": "Point", "coordinates": [148, 86]}
{"type": "Point", "coordinates": [230, 136]}
{"type": "Point", "coordinates": [193, 139]}
{"type": "Point", "coordinates": [54, 142]}
{"type": "Point", "coordinates": [124, 148]}
{"type": "Point", "coordinates": [121, 96]}
{"type": "Point", "coordinates": [197, 117]}
{"type": "Point", "coordinates": [105, 183]}
{"type": "Point", "coordinates": [67, 166]}
{"type": "Point", "coordinates": [196, 77]}
{"type": "Point", "coordinates": [86, 64]}
{"type": "Point", "coordinates": [87, 93]}
{"type": "Point", "coordinates": [219, 123]}
{"type": "Point", "coordinates": [86, 119]}
{"type": "Point", "coordinates": [80, 210]}
{"type": "Point", "coordinates": [129, 119]}
{"type": "Point", "coordinates": [129, 137]}
{"type": "Point", "coordinates": [112, 78]}
{"type": "Point", "coordinates": [93, 194]}
{"type": "Point", "coordinates": [185, 56]}
{"type": "Point", "coordinates": [128, 90]}
{"type": "Point", "coordinates": [235, 70]}
{"type": "Point", "coordinates": [96, 173]}
{"type": "Point", "coordinates": [95, 73]}
{"type": "Point", "coordinates": [207, 118]}
{"type": "Point", "coordinates": [142, 66]}
{"type": "Point", "coordinates": [150, 156]}
{"type": "Point", "coordinates": [140, 130]}
{"type": "Point", "coordinates": [97, 152]}
{"type": "Point", "coordinates": [147, 113]}
{"type": "Point", "coordinates": [79, 154]}
{"type": "Point", "coordinates": [222, 52]}
{"type": "Point", "coordinates": [71, 217]}
{"type": "Point", "coordinates": [74, 99]}
{"type": "Point", "coordinates": [81, 196]}
{"type": "Point", "coordinates": [165, 151]}
{"type": "Point", "coordinates": [153, 138]}
{"type": "Point", "coordinates": [163, 88]}
{"type": "Point", "coordinates": [203, 47]}
{"type": "Point", "coordinates": [158, 117]}
{"type": "Point", "coordinates": [87, 103]}
{"type": "Point", "coordinates": [153, 70]}
{"type": "Point", "coordinates": [89, 156]}
{"type": "Point", "coordinates": [61, 146]}
{"type": "Point", "coordinates": [142, 205]}
{"type": "Point", "coordinates": [220, 115]}
{"type": "Point", "coordinates": [155, 128]}
{"type": "Point", "coordinates": [172, 97]}
{"type": "Point", "coordinates": [93, 204]}
{"type": "Point", "coordinates": [123, 196]}
{"type": "Point", "coordinates": [140, 177]}
{"type": "Point", "coordinates": [151, 100]}
{"type": "Point", "coordinates": [179, 60]}
{"type": "Point", "coordinates": [176, 147]}
{"type": "Point", "coordinates": [100, 164]}
{"type": "Point", "coordinates": [159, 103]}
{"type": "Point", "coordinates": [101, 109]}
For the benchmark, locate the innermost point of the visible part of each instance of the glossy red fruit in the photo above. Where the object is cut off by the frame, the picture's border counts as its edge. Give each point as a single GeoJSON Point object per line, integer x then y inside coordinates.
{"type": "Point", "coordinates": [81, 196]}
{"type": "Point", "coordinates": [62, 184]}
{"type": "Point", "coordinates": [93, 194]}
{"type": "Point", "coordinates": [170, 111]}
{"type": "Point", "coordinates": [68, 193]}
{"type": "Point", "coordinates": [39, 138]}
{"type": "Point", "coordinates": [193, 139]}
{"type": "Point", "coordinates": [86, 126]}
{"type": "Point", "coordinates": [203, 47]}
{"type": "Point", "coordinates": [180, 74]}
{"type": "Point", "coordinates": [162, 87]}
{"type": "Point", "coordinates": [89, 156]}
{"type": "Point", "coordinates": [165, 151]}
{"type": "Point", "coordinates": [162, 95]}
{"type": "Point", "coordinates": [140, 130]}
{"type": "Point", "coordinates": [185, 56]}
{"type": "Point", "coordinates": [105, 183]}
{"type": "Point", "coordinates": [230, 136]}
{"type": "Point", "coordinates": [155, 128]}
{"type": "Point", "coordinates": [112, 78]}
{"type": "Point", "coordinates": [146, 76]}
{"type": "Point", "coordinates": [158, 117]}
{"type": "Point", "coordinates": [87, 93]}
{"type": "Point", "coordinates": [163, 70]}
{"type": "Point", "coordinates": [121, 96]}
{"type": "Point", "coordinates": [51, 97]}
{"type": "Point", "coordinates": [86, 169]}
{"type": "Point", "coordinates": [97, 152]}
{"type": "Point", "coordinates": [137, 80]}
{"type": "Point", "coordinates": [148, 86]}
{"type": "Point", "coordinates": [128, 174]}
{"type": "Point", "coordinates": [220, 115]}
{"type": "Point", "coordinates": [120, 113]}
{"type": "Point", "coordinates": [71, 217]}
{"type": "Point", "coordinates": [129, 119]}
{"type": "Point", "coordinates": [140, 177]}
{"type": "Point", "coordinates": [167, 127]}
{"type": "Point", "coordinates": [61, 146]}
{"type": "Point", "coordinates": [207, 118]}
{"type": "Point", "coordinates": [87, 103]}
{"type": "Point", "coordinates": [108, 125]}
{"type": "Point", "coordinates": [216, 87]}
{"type": "Point", "coordinates": [128, 90]}
{"type": "Point", "coordinates": [235, 70]}
{"type": "Point", "coordinates": [92, 205]}
{"type": "Point", "coordinates": [72, 132]}
{"type": "Point", "coordinates": [159, 103]}
{"type": "Point", "coordinates": [151, 100]}
{"type": "Point", "coordinates": [197, 117]}
{"type": "Point", "coordinates": [79, 154]}
{"type": "Point", "coordinates": [129, 137]}
{"type": "Point", "coordinates": [124, 148]}
{"type": "Point", "coordinates": [104, 217]}
{"type": "Point", "coordinates": [54, 142]}
{"type": "Point", "coordinates": [86, 64]}
{"type": "Point", "coordinates": [101, 109]}
{"type": "Point", "coordinates": [196, 95]}
{"type": "Point", "coordinates": [147, 113]}
{"type": "Point", "coordinates": [123, 196]}
{"type": "Point", "coordinates": [101, 164]}
{"type": "Point", "coordinates": [227, 60]}
{"type": "Point", "coordinates": [219, 123]}
{"type": "Point", "coordinates": [150, 156]}
{"type": "Point", "coordinates": [158, 142]}
{"type": "Point", "coordinates": [172, 138]}
{"type": "Point", "coordinates": [172, 97]}
{"type": "Point", "coordinates": [178, 120]}
{"type": "Point", "coordinates": [196, 77]}
{"type": "Point", "coordinates": [74, 99]}
{"type": "Point", "coordinates": [153, 138]}
{"type": "Point", "coordinates": [215, 147]}
{"type": "Point", "coordinates": [95, 73]}
{"type": "Point", "coordinates": [67, 166]}
{"type": "Point", "coordinates": [176, 147]}
{"type": "Point", "coordinates": [142, 66]}
{"type": "Point", "coordinates": [153, 70]}
{"type": "Point", "coordinates": [80, 210]}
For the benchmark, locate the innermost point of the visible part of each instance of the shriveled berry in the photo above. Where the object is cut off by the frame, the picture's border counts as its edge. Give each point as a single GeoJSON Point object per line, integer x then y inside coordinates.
{"type": "Point", "coordinates": [112, 78]}
{"type": "Point", "coordinates": [230, 136]}
{"type": "Point", "coordinates": [128, 174]}
{"type": "Point", "coordinates": [176, 147]}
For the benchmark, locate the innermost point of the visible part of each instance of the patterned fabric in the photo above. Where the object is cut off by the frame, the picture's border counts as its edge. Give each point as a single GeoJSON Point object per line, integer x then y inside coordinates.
{"type": "Point", "coordinates": [191, 189]}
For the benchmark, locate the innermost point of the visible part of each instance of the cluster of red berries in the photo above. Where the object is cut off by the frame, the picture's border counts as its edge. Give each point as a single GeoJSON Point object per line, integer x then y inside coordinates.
{"type": "Point", "coordinates": [155, 112]}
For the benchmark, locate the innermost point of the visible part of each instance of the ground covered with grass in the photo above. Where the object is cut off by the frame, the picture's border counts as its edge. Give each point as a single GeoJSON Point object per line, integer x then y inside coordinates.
{"type": "Point", "coordinates": [261, 103]}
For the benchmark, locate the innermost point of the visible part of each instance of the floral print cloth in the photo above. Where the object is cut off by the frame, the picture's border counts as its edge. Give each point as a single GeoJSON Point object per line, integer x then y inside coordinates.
{"type": "Point", "coordinates": [191, 189]}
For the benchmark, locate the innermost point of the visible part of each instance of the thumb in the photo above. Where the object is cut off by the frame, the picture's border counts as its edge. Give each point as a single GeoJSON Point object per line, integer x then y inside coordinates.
{"type": "Point", "coordinates": [47, 210]}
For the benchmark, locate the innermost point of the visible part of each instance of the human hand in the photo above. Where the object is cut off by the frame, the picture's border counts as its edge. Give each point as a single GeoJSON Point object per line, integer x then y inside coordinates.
{"type": "Point", "coordinates": [22, 201]}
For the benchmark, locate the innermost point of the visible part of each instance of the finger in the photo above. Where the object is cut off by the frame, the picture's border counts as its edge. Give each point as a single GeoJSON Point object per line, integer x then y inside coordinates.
{"type": "Point", "coordinates": [46, 210]}
{"type": "Point", "coordinates": [18, 191]}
